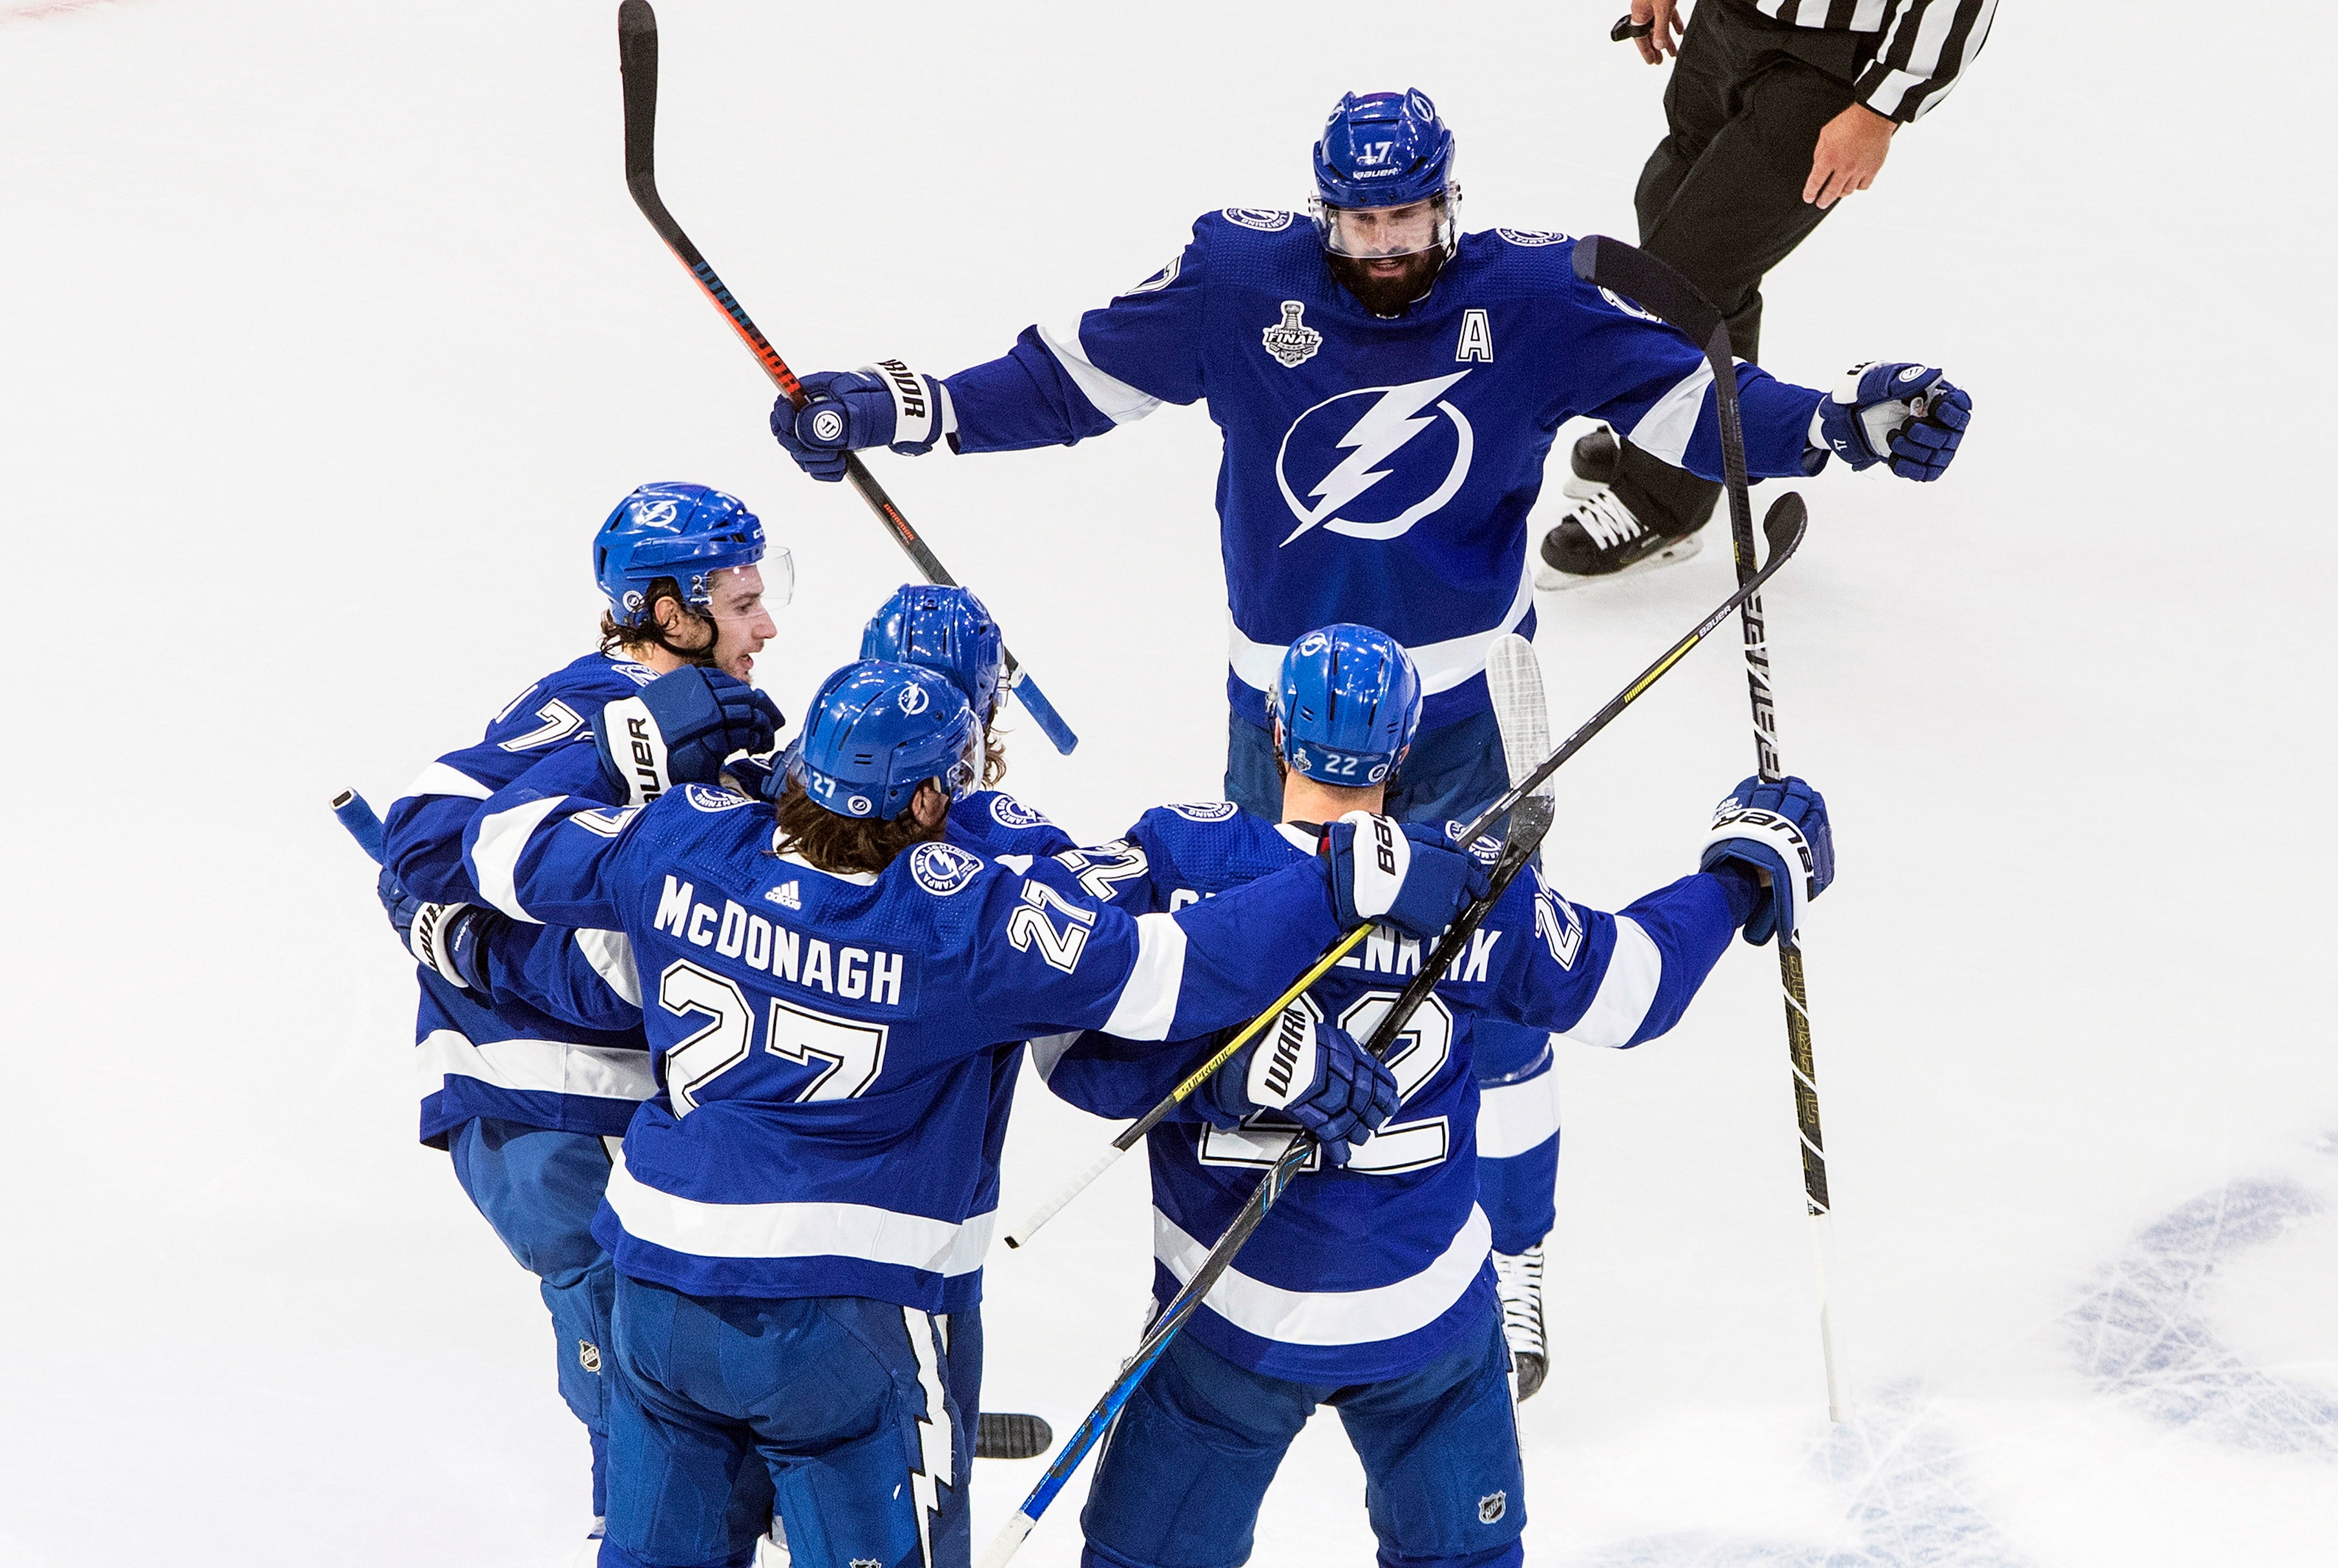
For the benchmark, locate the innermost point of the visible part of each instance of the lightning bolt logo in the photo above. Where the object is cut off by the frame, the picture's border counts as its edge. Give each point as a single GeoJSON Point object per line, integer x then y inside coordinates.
{"type": "Point", "coordinates": [933, 1469]}
{"type": "Point", "coordinates": [1395, 417]}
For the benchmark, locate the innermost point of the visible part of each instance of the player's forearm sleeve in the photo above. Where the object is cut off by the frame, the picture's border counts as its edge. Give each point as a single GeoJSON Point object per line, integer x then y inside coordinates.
{"type": "Point", "coordinates": [1026, 398]}
{"type": "Point", "coordinates": [1682, 424]}
{"type": "Point", "coordinates": [582, 977]}
{"type": "Point", "coordinates": [1614, 980]}
{"type": "Point", "coordinates": [422, 843]}
{"type": "Point", "coordinates": [530, 858]}
{"type": "Point", "coordinates": [1242, 947]}
{"type": "Point", "coordinates": [1107, 1076]}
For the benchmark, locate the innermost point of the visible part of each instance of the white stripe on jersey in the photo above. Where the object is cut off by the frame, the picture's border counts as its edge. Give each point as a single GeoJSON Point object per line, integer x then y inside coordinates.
{"type": "Point", "coordinates": [1442, 665]}
{"type": "Point", "coordinates": [1664, 430]}
{"type": "Point", "coordinates": [1332, 1316]}
{"type": "Point", "coordinates": [611, 953]}
{"type": "Point", "coordinates": [1513, 1118]}
{"type": "Point", "coordinates": [439, 779]}
{"type": "Point", "coordinates": [1635, 969]}
{"type": "Point", "coordinates": [1113, 399]}
{"type": "Point", "coordinates": [861, 1230]}
{"type": "Point", "coordinates": [1148, 997]}
{"type": "Point", "coordinates": [535, 1066]}
{"type": "Point", "coordinates": [502, 839]}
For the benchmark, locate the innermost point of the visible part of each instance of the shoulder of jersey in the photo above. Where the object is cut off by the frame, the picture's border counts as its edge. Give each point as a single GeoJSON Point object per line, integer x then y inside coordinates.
{"type": "Point", "coordinates": [1536, 259]}
{"type": "Point", "coordinates": [1254, 229]}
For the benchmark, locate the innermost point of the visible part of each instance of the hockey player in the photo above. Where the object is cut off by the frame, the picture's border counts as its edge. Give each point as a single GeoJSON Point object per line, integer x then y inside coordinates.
{"type": "Point", "coordinates": [825, 983]}
{"type": "Point", "coordinates": [1388, 388]}
{"type": "Point", "coordinates": [1368, 1287]}
{"type": "Point", "coordinates": [518, 1094]}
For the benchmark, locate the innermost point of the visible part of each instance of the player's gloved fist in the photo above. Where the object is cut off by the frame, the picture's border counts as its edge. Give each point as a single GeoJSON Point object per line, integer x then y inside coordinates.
{"type": "Point", "coordinates": [1905, 414]}
{"type": "Point", "coordinates": [1408, 875]}
{"type": "Point", "coordinates": [680, 730]}
{"type": "Point", "coordinates": [448, 939]}
{"type": "Point", "coordinates": [882, 405]}
{"type": "Point", "coordinates": [1314, 1073]}
{"type": "Point", "coordinates": [1773, 852]}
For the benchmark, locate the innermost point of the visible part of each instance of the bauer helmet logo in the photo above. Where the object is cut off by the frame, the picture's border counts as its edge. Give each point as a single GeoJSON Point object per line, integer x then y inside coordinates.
{"type": "Point", "coordinates": [913, 699]}
{"type": "Point", "coordinates": [828, 425]}
{"type": "Point", "coordinates": [1291, 341]}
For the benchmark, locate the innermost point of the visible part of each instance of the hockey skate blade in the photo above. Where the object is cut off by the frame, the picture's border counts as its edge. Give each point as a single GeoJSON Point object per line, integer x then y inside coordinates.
{"type": "Point", "coordinates": [1002, 1435]}
{"type": "Point", "coordinates": [1548, 580]}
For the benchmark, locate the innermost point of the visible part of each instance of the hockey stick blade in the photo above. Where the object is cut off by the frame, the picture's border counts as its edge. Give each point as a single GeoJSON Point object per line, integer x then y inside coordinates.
{"type": "Point", "coordinates": [1527, 825]}
{"type": "Point", "coordinates": [637, 65]}
{"type": "Point", "coordinates": [359, 818]}
{"type": "Point", "coordinates": [1521, 711]}
{"type": "Point", "coordinates": [1785, 525]}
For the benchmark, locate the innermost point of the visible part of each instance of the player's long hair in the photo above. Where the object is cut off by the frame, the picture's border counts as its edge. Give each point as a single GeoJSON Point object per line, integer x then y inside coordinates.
{"type": "Point", "coordinates": [835, 843]}
{"type": "Point", "coordinates": [648, 633]}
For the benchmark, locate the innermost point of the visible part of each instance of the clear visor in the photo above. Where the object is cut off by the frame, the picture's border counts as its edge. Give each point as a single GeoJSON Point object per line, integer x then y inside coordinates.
{"type": "Point", "coordinates": [778, 571]}
{"type": "Point", "coordinates": [1378, 234]}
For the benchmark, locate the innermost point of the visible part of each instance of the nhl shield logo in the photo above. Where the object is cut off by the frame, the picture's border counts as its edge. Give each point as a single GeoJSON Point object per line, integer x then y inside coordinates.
{"type": "Point", "coordinates": [588, 1356]}
{"type": "Point", "coordinates": [1492, 1506]}
{"type": "Point", "coordinates": [1291, 341]}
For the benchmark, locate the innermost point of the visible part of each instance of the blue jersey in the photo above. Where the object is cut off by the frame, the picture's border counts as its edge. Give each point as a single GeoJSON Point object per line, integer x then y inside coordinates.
{"type": "Point", "coordinates": [1373, 1271]}
{"type": "Point", "coordinates": [825, 1043]}
{"type": "Point", "coordinates": [500, 1055]}
{"type": "Point", "coordinates": [1377, 469]}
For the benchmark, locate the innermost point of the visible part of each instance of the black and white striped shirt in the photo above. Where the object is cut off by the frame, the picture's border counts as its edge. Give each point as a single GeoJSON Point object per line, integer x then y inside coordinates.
{"type": "Point", "coordinates": [1925, 45]}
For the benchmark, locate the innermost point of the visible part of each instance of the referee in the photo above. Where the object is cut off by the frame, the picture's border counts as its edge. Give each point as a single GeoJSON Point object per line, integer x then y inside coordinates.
{"type": "Point", "coordinates": [1776, 110]}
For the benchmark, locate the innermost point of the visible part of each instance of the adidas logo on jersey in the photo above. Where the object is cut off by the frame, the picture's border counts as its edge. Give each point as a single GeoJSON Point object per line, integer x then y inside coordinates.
{"type": "Point", "coordinates": [786, 897]}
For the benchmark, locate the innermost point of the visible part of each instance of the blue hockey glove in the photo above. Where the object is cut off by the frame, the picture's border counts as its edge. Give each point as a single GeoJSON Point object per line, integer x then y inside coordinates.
{"type": "Point", "coordinates": [679, 731]}
{"type": "Point", "coordinates": [1905, 414]}
{"type": "Point", "coordinates": [448, 939]}
{"type": "Point", "coordinates": [1408, 875]}
{"type": "Point", "coordinates": [1779, 832]}
{"type": "Point", "coordinates": [882, 405]}
{"type": "Point", "coordinates": [1314, 1073]}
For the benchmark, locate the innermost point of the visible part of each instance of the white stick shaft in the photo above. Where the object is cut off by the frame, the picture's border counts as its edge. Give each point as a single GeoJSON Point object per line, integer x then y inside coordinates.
{"type": "Point", "coordinates": [1838, 1369]}
{"type": "Point", "coordinates": [1008, 1541]}
{"type": "Point", "coordinates": [1048, 1211]}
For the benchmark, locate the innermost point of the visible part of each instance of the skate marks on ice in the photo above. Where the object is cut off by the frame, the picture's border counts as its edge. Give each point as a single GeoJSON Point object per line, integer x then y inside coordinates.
{"type": "Point", "coordinates": [2144, 1334]}
{"type": "Point", "coordinates": [1905, 1505]}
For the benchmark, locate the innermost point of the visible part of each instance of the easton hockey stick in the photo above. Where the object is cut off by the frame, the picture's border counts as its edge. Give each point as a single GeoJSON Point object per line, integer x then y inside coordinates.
{"type": "Point", "coordinates": [1530, 821]}
{"type": "Point", "coordinates": [1638, 275]}
{"type": "Point", "coordinates": [360, 819]}
{"type": "Point", "coordinates": [1784, 525]}
{"type": "Point", "coordinates": [637, 60]}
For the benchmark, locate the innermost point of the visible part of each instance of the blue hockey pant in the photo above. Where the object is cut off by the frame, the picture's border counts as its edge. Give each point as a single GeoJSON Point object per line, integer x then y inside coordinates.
{"type": "Point", "coordinates": [832, 1411]}
{"type": "Point", "coordinates": [540, 1190]}
{"type": "Point", "coordinates": [1452, 773]}
{"type": "Point", "coordinates": [1186, 1466]}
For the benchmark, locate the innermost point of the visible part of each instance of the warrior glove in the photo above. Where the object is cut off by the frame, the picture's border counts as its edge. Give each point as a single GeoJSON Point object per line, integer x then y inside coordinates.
{"type": "Point", "coordinates": [1312, 1071]}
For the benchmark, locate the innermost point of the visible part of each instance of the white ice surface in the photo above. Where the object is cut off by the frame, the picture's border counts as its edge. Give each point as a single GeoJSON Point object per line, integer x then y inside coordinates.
{"type": "Point", "coordinates": [329, 333]}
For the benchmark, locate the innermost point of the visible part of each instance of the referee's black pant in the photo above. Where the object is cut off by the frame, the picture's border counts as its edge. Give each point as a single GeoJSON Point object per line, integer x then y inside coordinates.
{"type": "Point", "coordinates": [1721, 197]}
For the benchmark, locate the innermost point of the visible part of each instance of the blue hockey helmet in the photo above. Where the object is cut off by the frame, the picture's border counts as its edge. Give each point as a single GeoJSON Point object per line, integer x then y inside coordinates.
{"type": "Point", "coordinates": [877, 730]}
{"type": "Point", "coordinates": [1349, 701]}
{"type": "Point", "coordinates": [685, 531]}
{"type": "Point", "coordinates": [943, 629]}
{"type": "Point", "coordinates": [1383, 149]}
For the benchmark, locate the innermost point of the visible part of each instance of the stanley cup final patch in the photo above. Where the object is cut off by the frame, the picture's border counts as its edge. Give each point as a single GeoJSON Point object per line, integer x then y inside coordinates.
{"type": "Point", "coordinates": [1291, 341]}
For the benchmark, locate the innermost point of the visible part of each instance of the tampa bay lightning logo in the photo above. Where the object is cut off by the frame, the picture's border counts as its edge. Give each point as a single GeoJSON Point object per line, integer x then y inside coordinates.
{"type": "Point", "coordinates": [1009, 812]}
{"type": "Point", "coordinates": [1206, 811]}
{"type": "Point", "coordinates": [711, 799]}
{"type": "Point", "coordinates": [1627, 306]}
{"type": "Point", "coordinates": [941, 868]}
{"type": "Point", "coordinates": [1371, 463]}
{"type": "Point", "coordinates": [1532, 236]}
{"type": "Point", "coordinates": [913, 698]}
{"type": "Point", "coordinates": [1265, 220]}
{"type": "Point", "coordinates": [656, 513]}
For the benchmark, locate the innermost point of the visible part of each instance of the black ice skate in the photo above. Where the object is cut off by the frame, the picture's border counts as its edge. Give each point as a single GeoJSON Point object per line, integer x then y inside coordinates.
{"type": "Point", "coordinates": [1517, 1280]}
{"type": "Point", "coordinates": [1602, 536]}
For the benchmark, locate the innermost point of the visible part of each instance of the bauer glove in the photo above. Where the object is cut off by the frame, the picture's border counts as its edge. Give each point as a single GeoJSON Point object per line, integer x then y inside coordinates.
{"type": "Point", "coordinates": [1774, 831]}
{"type": "Point", "coordinates": [882, 405]}
{"type": "Point", "coordinates": [447, 939]}
{"type": "Point", "coordinates": [1908, 416]}
{"type": "Point", "coordinates": [681, 730]}
{"type": "Point", "coordinates": [1408, 875]}
{"type": "Point", "coordinates": [1312, 1071]}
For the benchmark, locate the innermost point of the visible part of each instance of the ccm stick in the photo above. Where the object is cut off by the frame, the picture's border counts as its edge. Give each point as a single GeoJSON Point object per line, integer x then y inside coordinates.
{"type": "Point", "coordinates": [1530, 821]}
{"type": "Point", "coordinates": [1785, 524]}
{"type": "Point", "coordinates": [637, 58]}
{"type": "Point", "coordinates": [1638, 275]}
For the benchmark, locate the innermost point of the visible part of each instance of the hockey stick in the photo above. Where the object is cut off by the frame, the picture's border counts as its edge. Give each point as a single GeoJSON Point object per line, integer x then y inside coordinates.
{"type": "Point", "coordinates": [1784, 525]}
{"type": "Point", "coordinates": [1527, 825]}
{"type": "Point", "coordinates": [637, 59]}
{"type": "Point", "coordinates": [360, 819]}
{"type": "Point", "coordinates": [1635, 274]}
